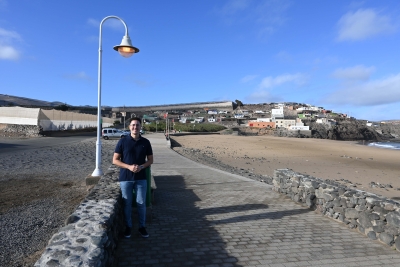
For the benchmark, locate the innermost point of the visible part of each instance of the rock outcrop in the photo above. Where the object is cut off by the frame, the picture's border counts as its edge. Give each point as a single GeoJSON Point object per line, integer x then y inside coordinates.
{"type": "Point", "coordinates": [346, 130]}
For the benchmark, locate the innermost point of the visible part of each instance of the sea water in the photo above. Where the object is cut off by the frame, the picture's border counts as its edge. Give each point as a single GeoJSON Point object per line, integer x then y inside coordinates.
{"type": "Point", "coordinates": [388, 145]}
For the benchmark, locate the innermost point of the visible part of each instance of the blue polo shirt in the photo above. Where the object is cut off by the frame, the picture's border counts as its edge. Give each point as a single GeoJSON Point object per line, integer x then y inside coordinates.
{"type": "Point", "coordinates": [133, 152]}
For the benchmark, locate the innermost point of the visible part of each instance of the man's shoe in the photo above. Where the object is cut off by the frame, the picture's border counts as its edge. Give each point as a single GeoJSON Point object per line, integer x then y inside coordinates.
{"type": "Point", "coordinates": [143, 232]}
{"type": "Point", "coordinates": [127, 233]}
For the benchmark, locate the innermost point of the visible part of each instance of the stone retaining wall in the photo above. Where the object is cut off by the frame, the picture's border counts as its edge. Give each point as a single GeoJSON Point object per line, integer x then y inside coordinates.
{"type": "Point", "coordinates": [90, 234]}
{"type": "Point", "coordinates": [17, 130]}
{"type": "Point", "coordinates": [375, 216]}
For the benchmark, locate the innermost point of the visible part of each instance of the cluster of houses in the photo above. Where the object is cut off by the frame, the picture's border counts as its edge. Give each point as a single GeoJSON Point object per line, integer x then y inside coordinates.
{"type": "Point", "coordinates": [280, 116]}
{"type": "Point", "coordinates": [268, 115]}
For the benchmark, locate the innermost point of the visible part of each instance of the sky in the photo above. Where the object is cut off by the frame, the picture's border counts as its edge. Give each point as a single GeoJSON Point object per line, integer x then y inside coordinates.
{"type": "Point", "coordinates": [340, 55]}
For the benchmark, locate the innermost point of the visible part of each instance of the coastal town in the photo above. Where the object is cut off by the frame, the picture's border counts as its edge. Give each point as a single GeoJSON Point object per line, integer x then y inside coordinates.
{"type": "Point", "coordinates": [282, 119]}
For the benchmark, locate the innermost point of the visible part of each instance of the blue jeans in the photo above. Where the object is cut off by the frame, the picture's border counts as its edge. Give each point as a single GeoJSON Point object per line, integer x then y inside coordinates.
{"type": "Point", "coordinates": [140, 187]}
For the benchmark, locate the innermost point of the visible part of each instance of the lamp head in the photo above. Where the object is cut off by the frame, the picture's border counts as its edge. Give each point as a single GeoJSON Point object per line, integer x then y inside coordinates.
{"type": "Point", "coordinates": [125, 48]}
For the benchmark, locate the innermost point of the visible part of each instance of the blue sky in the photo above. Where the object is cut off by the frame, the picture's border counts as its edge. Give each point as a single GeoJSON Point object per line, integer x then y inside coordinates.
{"type": "Point", "coordinates": [342, 55]}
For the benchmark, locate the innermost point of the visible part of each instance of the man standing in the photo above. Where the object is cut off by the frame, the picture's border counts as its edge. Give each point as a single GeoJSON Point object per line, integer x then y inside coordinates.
{"type": "Point", "coordinates": [130, 155]}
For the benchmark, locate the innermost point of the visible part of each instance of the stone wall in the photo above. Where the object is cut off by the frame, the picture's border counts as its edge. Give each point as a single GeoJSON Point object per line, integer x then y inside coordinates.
{"type": "Point", "coordinates": [90, 234]}
{"type": "Point", "coordinates": [21, 131]}
{"type": "Point", "coordinates": [375, 216]}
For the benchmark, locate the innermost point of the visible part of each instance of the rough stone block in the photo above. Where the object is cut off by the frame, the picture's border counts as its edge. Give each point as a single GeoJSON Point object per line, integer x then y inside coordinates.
{"type": "Point", "coordinates": [386, 238]}
{"type": "Point", "coordinates": [339, 210]}
{"type": "Point", "coordinates": [378, 229]}
{"type": "Point", "coordinates": [397, 243]}
{"type": "Point", "coordinates": [351, 213]}
{"type": "Point", "coordinates": [364, 219]}
{"type": "Point", "coordinates": [372, 235]}
{"type": "Point", "coordinates": [393, 218]}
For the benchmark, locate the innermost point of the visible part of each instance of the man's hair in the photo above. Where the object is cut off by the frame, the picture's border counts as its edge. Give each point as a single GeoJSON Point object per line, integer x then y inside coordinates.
{"type": "Point", "coordinates": [135, 119]}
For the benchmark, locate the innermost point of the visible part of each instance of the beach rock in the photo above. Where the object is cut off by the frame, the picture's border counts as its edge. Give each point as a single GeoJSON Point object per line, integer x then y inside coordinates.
{"type": "Point", "coordinates": [397, 243]}
{"type": "Point", "coordinates": [386, 238]}
{"type": "Point", "coordinates": [393, 218]}
{"type": "Point", "coordinates": [345, 129]}
{"type": "Point", "coordinates": [372, 235]}
{"type": "Point", "coordinates": [351, 213]}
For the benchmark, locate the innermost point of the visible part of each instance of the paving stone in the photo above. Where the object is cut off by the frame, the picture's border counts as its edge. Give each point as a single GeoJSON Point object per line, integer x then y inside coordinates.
{"type": "Point", "coordinates": [236, 221]}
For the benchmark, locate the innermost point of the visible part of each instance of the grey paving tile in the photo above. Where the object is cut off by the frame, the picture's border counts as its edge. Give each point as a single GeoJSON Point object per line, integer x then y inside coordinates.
{"type": "Point", "coordinates": [205, 217]}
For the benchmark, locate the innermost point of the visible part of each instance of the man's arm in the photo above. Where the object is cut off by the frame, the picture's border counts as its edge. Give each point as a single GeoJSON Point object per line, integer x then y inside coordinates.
{"type": "Point", "coordinates": [148, 162]}
{"type": "Point", "coordinates": [117, 161]}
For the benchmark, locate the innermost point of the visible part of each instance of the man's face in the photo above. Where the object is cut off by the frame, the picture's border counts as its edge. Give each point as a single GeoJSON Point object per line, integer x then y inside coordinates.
{"type": "Point", "coordinates": [134, 126]}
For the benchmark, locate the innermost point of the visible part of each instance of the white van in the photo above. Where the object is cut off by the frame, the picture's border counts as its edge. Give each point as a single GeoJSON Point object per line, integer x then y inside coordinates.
{"type": "Point", "coordinates": [108, 133]}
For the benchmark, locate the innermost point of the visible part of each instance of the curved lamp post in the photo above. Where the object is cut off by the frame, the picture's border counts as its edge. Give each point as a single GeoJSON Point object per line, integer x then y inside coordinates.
{"type": "Point", "coordinates": [126, 50]}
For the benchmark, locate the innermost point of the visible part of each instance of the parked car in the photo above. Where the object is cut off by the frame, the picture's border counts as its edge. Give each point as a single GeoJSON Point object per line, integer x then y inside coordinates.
{"type": "Point", "coordinates": [108, 133]}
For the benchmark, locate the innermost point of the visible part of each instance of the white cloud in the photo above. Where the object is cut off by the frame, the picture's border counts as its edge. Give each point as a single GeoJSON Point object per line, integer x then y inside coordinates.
{"type": "Point", "coordinates": [7, 49]}
{"type": "Point", "coordinates": [362, 24]}
{"type": "Point", "coordinates": [284, 56]}
{"type": "Point", "coordinates": [269, 82]}
{"type": "Point", "coordinates": [378, 92]}
{"type": "Point", "coordinates": [359, 72]}
{"type": "Point", "coordinates": [9, 35]}
{"type": "Point", "coordinates": [78, 76]}
{"type": "Point", "coordinates": [263, 16]}
{"type": "Point", "coordinates": [8, 53]}
{"type": "Point", "coordinates": [234, 6]}
{"type": "Point", "coordinates": [248, 78]}
{"type": "Point", "coordinates": [93, 22]}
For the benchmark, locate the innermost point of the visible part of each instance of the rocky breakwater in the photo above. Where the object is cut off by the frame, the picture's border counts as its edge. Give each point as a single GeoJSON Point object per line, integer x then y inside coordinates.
{"type": "Point", "coordinates": [372, 215]}
{"type": "Point", "coordinates": [90, 234]}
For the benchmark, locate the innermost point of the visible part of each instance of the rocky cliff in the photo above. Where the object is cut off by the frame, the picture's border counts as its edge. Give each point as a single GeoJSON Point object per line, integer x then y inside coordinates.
{"type": "Point", "coordinates": [345, 130]}
{"type": "Point", "coordinates": [353, 130]}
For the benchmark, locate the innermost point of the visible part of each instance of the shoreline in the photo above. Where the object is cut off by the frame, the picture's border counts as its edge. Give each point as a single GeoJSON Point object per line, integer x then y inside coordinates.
{"type": "Point", "coordinates": [367, 168]}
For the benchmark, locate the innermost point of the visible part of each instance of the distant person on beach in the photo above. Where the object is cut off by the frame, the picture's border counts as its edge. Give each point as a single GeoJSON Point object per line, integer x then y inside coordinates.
{"type": "Point", "coordinates": [133, 154]}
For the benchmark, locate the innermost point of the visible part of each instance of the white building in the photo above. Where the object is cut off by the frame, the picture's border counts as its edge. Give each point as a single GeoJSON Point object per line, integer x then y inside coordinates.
{"type": "Point", "coordinates": [326, 121]}
{"type": "Point", "coordinates": [299, 125]}
{"type": "Point", "coordinates": [284, 123]}
{"type": "Point", "coordinates": [277, 113]}
{"type": "Point", "coordinates": [310, 108]}
{"type": "Point", "coordinates": [50, 120]}
{"type": "Point", "coordinates": [199, 120]}
{"type": "Point", "coordinates": [264, 120]}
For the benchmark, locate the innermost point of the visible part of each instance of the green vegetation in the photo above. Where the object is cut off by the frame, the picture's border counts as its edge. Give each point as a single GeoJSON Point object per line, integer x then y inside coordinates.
{"type": "Point", "coordinates": [183, 127]}
{"type": "Point", "coordinates": [63, 107]}
{"type": "Point", "coordinates": [239, 103]}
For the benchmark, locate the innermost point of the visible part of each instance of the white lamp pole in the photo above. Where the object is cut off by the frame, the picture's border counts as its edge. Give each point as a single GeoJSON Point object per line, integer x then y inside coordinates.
{"type": "Point", "coordinates": [126, 50]}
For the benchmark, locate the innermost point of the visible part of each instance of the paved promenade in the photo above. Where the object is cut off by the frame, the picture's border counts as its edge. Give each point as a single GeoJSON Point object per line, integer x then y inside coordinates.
{"type": "Point", "coordinates": [206, 217]}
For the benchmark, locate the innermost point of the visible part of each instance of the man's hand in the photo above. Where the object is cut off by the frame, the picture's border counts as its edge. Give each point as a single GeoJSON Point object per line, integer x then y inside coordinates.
{"type": "Point", "coordinates": [134, 168]}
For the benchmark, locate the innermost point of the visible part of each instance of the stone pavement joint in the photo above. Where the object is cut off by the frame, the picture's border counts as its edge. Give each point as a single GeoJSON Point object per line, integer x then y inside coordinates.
{"type": "Point", "coordinates": [207, 217]}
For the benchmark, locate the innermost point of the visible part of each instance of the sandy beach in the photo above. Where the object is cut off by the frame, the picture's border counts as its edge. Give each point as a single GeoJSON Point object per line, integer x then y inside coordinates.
{"type": "Point", "coordinates": [350, 163]}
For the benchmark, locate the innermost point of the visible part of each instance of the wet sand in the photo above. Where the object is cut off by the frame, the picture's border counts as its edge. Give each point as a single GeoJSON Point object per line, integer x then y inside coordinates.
{"type": "Point", "coordinates": [347, 162]}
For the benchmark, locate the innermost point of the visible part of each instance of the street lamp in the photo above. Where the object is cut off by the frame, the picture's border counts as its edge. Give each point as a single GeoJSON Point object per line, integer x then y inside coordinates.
{"type": "Point", "coordinates": [126, 50]}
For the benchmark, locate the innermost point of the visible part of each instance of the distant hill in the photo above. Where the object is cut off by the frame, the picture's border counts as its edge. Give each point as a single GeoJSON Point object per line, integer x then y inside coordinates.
{"type": "Point", "coordinates": [9, 100]}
